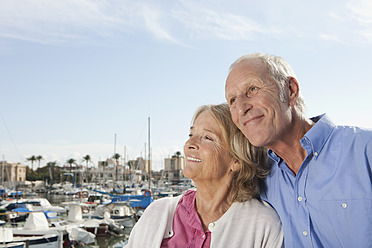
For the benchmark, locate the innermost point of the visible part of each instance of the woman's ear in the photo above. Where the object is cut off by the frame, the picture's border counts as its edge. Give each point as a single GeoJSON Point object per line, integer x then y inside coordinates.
{"type": "Point", "coordinates": [235, 165]}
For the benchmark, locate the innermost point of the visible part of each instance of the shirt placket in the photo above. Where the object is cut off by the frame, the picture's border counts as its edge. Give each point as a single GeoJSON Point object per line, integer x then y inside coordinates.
{"type": "Point", "coordinates": [199, 239]}
{"type": "Point", "coordinates": [300, 197]}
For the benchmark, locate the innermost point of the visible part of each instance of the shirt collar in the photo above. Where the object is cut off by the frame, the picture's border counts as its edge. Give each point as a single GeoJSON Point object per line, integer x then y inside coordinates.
{"type": "Point", "coordinates": [317, 136]}
{"type": "Point", "coordinates": [319, 133]}
{"type": "Point", "coordinates": [273, 156]}
{"type": "Point", "coordinates": [188, 205]}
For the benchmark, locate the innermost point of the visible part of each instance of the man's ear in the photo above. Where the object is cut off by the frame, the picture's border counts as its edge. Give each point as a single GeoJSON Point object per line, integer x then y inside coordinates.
{"type": "Point", "coordinates": [235, 165]}
{"type": "Point", "coordinates": [293, 91]}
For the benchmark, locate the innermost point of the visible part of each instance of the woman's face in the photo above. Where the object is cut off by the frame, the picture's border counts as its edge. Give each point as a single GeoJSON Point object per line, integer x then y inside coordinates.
{"type": "Point", "coordinates": [206, 152]}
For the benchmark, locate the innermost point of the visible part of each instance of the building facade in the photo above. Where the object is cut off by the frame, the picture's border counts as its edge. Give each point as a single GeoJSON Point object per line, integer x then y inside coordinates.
{"type": "Point", "coordinates": [174, 163]}
{"type": "Point", "coordinates": [12, 172]}
{"type": "Point", "coordinates": [140, 164]}
{"type": "Point", "coordinates": [173, 168]}
{"type": "Point", "coordinates": [109, 170]}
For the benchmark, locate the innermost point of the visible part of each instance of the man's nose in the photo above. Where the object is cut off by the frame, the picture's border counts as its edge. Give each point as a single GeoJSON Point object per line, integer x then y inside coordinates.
{"type": "Point", "coordinates": [243, 104]}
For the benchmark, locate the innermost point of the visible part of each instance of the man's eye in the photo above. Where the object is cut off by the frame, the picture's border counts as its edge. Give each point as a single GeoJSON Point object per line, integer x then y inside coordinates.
{"type": "Point", "coordinates": [208, 138]}
{"type": "Point", "coordinates": [232, 101]}
{"type": "Point", "coordinates": [252, 90]}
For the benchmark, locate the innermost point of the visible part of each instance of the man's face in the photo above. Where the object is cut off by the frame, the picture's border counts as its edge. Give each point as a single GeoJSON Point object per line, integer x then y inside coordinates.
{"type": "Point", "coordinates": [254, 103]}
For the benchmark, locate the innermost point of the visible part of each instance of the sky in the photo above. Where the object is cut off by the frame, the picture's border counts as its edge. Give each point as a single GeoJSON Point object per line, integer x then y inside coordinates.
{"type": "Point", "coordinates": [83, 77]}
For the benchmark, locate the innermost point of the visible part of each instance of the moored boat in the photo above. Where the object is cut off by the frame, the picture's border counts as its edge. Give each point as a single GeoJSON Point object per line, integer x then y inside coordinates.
{"type": "Point", "coordinates": [10, 238]}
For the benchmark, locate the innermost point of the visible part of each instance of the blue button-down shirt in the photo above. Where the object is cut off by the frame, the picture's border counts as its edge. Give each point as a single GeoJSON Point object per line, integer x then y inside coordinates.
{"type": "Point", "coordinates": [329, 202]}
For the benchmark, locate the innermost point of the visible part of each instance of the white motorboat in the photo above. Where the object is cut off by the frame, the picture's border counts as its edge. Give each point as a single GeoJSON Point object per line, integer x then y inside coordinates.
{"type": "Point", "coordinates": [32, 240]}
{"type": "Point", "coordinates": [67, 231]}
{"type": "Point", "coordinates": [33, 204]}
{"type": "Point", "coordinates": [13, 245]}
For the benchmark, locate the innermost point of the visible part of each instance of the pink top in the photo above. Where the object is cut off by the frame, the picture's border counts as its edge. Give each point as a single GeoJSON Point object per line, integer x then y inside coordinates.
{"type": "Point", "coordinates": [187, 227]}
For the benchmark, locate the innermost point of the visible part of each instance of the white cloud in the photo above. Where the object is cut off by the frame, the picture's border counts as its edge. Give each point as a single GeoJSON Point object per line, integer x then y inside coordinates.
{"type": "Point", "coordinates": [329, 37]}
{"type": "Point", "coordinates": [53, 21]}
{"type": "Point", "coordinates": [204, 21]}
{"type": "Point", "coordinates": [361, 11]}
{"type": "Point", "coordinates": [86, 21]}
{"type": "Point", "coordinates": [152, 20]}
{"type": "Point", "coordinates": [367, 34]}
{"type": "Point", "coordinates": [82, 21]}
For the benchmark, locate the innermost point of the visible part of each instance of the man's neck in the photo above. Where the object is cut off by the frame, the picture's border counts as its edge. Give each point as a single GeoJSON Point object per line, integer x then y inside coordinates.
{"type": "Point", "coordinates": [289, 147]}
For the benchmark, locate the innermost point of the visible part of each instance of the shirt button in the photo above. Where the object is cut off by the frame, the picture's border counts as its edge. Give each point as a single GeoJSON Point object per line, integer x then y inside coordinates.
{"type": "Point", "coordinates": [344, 205]}
{"type": "Point", "coordinates": [299, 198]}
{"type": "Point", "coordinates": [304, 233]}
{"type": "Point", "coordinates": [316, 154]}
{"type": "Point", "coordinates": [211, 225]}
{"type": "Point", "coordinates": [203, 236]}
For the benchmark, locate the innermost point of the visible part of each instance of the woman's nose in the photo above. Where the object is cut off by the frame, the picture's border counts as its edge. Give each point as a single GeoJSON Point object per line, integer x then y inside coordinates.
{"type": "Point", "coordinates": [191, 143]}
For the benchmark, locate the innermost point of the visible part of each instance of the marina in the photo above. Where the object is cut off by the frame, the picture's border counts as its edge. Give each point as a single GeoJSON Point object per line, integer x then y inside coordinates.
{"type": "Point", "coordinates": [76, 216]}
{"type": "Point", "coordinates": [24, 221]}
{"type": "Point", "coordinates": [82, 204]}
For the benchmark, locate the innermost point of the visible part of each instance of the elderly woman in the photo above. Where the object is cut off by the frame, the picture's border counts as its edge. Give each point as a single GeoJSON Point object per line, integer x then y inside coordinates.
{"type": "Point", "coordinates": [224, 210]}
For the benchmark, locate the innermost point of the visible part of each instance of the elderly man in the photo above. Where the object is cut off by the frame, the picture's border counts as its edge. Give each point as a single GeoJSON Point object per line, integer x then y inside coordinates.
{"type": "Point", "coordinates": [321, 177]}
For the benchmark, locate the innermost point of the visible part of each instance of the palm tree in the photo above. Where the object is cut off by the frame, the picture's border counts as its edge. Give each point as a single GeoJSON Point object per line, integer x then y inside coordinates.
{"type": "Point", "coordinates": [87, 159]}
{"type": "Point", "coordinates": [38, 158]}
{"type": "Point", "coordinates": [71, 161]}
{"type": "Point", "coordinates": [32, 159]}
{"type": "Point", "coordinates": [116, 157]}
{"type": "Point", "coordinates": [178, 154]}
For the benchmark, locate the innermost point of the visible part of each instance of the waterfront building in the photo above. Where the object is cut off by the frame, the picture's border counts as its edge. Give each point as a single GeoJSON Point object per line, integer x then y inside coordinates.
{"type": "Point", "coordinates": [173, 168]}
{"type": "Point", "coordinates": [109, 170]}
{"type": "Point", "coordinates": [139, 164]}
{"type": "Point", "coordinates": [12, 172]}
{"type": "Point", "coordinates": [176, 162]}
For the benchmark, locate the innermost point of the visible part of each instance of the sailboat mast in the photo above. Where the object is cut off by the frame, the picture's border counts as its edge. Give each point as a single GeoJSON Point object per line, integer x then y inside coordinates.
{"type": "Point", "coordinates": [115, 167]}
{"type": "Point", "coordinates": [115, 144]}
{"type": "Point", "coordinates": [145, 164]}
{"type": "Point", "coordinates": [3, 169]}
{"type": "Point", "coordinates": [149, 153]}
{"type": "Point", "coordinates": [124, 165]}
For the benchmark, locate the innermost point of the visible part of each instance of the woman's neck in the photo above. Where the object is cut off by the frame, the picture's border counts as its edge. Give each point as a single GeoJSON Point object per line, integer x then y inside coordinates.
{"type": "Point", "coordinates": [211, 203]}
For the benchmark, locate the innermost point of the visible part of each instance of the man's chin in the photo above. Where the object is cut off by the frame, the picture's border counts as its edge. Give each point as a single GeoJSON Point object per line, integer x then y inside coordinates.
{"type": "Point", "coordinates": [255, 140]}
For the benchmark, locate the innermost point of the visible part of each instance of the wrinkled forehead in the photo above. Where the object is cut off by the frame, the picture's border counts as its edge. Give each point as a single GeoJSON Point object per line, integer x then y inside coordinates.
{"type": "Point", "coordinates": [243, 72]}
{"type": "Point", "coordinates": [247, 66]}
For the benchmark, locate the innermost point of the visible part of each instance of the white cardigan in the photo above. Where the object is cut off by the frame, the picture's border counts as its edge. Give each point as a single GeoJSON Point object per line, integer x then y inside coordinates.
{"type": "Point", "coordinates": [247, 224]}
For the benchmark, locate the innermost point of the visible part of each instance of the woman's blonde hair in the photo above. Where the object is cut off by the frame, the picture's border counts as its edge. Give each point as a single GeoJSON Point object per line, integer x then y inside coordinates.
{"type": "Point", "coordinates": [246, 180]}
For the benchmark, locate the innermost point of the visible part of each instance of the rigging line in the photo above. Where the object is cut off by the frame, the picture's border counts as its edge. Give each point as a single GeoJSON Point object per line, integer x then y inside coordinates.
{"type": "Point", "coordinates": [10, 136]}
{"type": "Point", "coordinates": [138, 140]}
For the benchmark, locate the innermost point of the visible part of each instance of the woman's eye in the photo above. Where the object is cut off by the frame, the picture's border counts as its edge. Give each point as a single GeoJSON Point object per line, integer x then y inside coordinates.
{"type": "Point", "coordinates": [208, 138]}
